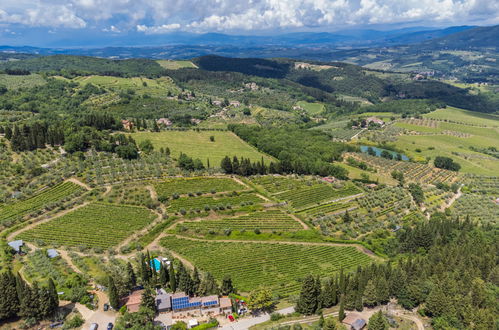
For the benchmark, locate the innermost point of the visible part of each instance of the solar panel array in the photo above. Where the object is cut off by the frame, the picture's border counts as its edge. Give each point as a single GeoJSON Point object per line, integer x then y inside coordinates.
{"type": "Point", "coordinates": [210, 303]}
{"type": "Point", "coordinates": [186, 305]}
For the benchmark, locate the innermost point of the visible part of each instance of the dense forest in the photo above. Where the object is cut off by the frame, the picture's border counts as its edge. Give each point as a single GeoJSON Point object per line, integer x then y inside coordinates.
{"type": "Point", "coordinates": [450, 271]}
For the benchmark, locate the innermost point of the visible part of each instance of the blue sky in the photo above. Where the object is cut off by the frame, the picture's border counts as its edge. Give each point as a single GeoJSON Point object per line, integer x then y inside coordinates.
{"type": "Point", "coordinates": [40, 22]}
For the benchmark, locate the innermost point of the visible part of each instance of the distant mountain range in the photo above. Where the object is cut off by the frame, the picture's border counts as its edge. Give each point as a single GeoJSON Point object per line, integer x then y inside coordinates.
{"type": "Point", "coordinates": [182, 44]}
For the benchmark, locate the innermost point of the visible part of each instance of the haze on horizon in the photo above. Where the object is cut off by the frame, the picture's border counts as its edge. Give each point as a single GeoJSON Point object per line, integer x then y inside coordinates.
{"type": "Point", "coordinates": [80, 22]}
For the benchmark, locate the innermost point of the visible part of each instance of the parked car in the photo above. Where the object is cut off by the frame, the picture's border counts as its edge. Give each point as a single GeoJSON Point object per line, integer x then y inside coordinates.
{"type": "Point", "coordinates": [106, 307]}
{"type": "Point", "coordinates": [110, 326]}
{"type": "Point", "coordinates": [94, 326]}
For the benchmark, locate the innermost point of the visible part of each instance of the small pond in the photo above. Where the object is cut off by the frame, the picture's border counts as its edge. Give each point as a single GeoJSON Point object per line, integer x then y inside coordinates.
{"type": "Point", "coordinates": [378, 152]}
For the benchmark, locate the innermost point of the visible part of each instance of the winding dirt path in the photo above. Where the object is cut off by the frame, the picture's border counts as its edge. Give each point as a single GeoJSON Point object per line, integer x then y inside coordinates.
{"type": "Point", "coordinates": [78, 182]}
{"type": "Point", "coordinates": [452, 200]}
{"type": "Point", "coordinates": [303, 224]}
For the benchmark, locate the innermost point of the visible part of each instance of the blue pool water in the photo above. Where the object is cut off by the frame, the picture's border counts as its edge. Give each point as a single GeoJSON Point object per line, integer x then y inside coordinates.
{"type": "Point", "coordinates": [379, 151]}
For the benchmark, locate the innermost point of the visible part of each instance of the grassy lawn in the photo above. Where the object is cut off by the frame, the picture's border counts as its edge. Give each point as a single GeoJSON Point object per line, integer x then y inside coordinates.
{"type": "Point", "coordinates": [311, 108]}
{"type": "Point", "coordinates": [174, 65]}
{"type": "Point", "coordinates": [198, 145]}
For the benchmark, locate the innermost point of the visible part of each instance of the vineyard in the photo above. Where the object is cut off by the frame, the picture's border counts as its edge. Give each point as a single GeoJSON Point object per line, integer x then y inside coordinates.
{"type": "Point", "coordinates": [216, 202]}
{"type": "Point", "coordinates": [480, 208]}
{"type": "Point", "coordinates": [181, 186]}
{"type": "Point", "coordinates": [278, 266]}
{"type": "Point", "coordinates": [301, 192]}
{"type": "Point", "coordinates": [96, 225]}
{"type": "Point", "coordinates": [415, 172]}
{"type": "Point", "coordinates": [47, 199]}
{"type": "Point", "coordinates": [272, 220]}
{"type": "Point", "coordinates": [327, 208]}
{"type": "Point", "coordinates": [426, 122]}
{"type": "Point", "coordinates": [131, 195]}
{"type": "Point", "coordinates": [316, 194]}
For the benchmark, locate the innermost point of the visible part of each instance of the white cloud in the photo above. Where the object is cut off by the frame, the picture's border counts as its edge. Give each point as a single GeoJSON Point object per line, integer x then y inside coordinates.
{"type": "Point", "coordinates": [162, 16]}
{"type": "Point", "coordinates": [158, 29]}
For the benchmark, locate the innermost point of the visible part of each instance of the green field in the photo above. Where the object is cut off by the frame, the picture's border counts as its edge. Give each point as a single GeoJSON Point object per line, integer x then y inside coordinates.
{"type": "Point", "coordinates": [45, 199]}
{"type": "Point", "coordinates": [16, 82]}
{"type": "Point", "coordinates": [95, 225]}
{"type": "Point", "coordinates": [181, 186]}
{"type": "Point", "coordinates": [174, 65]}
{"type": "Point", "coordinates": [278, 266]}
{"type": "Point", "coordinates": [464, 116]}
{"type": "Point", "coordinates": [198, 145]}
{"type": "Point", "coordinates": [311, 108]}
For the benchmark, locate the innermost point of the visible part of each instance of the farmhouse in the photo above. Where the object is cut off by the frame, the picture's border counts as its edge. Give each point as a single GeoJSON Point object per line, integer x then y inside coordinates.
{"type": "Point", "coordinates": [164, 121]}
{"type": "Point", "coordinates": [374, 120]}
{"type": "Point", "coordinates": [183, 305]}
{"type": "Point", "coordinates": [163, 301]}
{"type": "Point", "coordinates": [133, 301]}
{"type": "Point", "coordinates": [235, 104]}
{"type": "Point", "coordinates": [127, 124]}
{"type": "Point", "coordinates": [353, 321]}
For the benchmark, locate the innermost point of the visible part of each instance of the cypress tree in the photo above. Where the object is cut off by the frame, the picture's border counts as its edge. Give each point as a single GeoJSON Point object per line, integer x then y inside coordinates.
{"type": "Point", "coordinates": [131, 275]}
{"type": "Point", "coordinates": [328, 294]}
{"type": "Point", "coordinates": [307, 302]}
{"type": "Point", "coordinates": [341, 313]}
{"type": "Point", "coordinates": [173, 280]}
{"type": "Point", "coordinates": [227, 286]}
{"type": "Point", "coordinates": [196, 281]}
{"type": "Point", "coordinates": [9, 304]}
{"type": "Point", "coordinates": [208, 285]}
{"type": "Point", "coordinates": [370, 297]}
{"type": "Point", "coordinates": [164, 277]}
{"type": "Point", "coordinates": [114, 300]}
{"type": "Point", "coordinates": [318, 293]}
{"type": "Point", "coordinates": [148, 299]}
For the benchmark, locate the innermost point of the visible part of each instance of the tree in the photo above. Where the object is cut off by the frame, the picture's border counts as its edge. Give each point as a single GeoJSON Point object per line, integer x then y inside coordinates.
{"type": "Point", "coordinates": [227, 287]}
{"type": "Point", "coordinates": [196, 281]}
{"type": "Point", "coordinates": [146, 146]}
{"type": "Point", "coordinates": [341, 313]}
{"type": "Point", "coordinates": [114, 300]}
{"type": "Point", "coordinates": [446, 163]}
{"type": "Point", "coordinates": [330, 324]}
{"type": "Point", "coordinates": [9, 304]}
{"type": "Point", "coordinates": [52, 301]}
{"type": "Point", "coordinates": [148, 299]}
{"type": "Point", "coordinates": [208, 285]}
{"type": "Point", "coordinates": [131, 275]}
{"type": "Point", "coordinates": [378, 322]}
{"type": "Point", "coordinates": [173, 280]}
{"type": "Point", "coordinates": [328, 294]}
{"type": "Point", "coordinates": [307, 302]}
{"type": "Point", "coordinates": [261, 300]}
{"type": "Point", "coordinates": [164, 276]}
{"type": "Point", "coordinates": [417, 193]}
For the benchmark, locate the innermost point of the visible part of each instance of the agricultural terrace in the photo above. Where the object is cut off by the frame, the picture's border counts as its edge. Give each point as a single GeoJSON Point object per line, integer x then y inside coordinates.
{"type": "Point", "coordinates": [436, 198]}
{"type": "Point", "coordinates": [21, 81]}
{"type": "Point", "coordinates": [47, 199]}
{"type": "Point", "coordinates": [154, 87]}
{"type": "Point", "coordinates": [279, 266]}
{"type": "Point", "coordinates": [131, 195]}
{"type": "Point", "coordinates": [413, 172]}
{"type": "Point", "coordinates": [214, 203]}
{"type": "Point", "coordinates": [197, 144]}
{"type": "Point", "coordinates": [271, 220]}
{"type": "Point", "coordinates": [483, 184]}
{"type": "Point", "coordinates": [311, 108]}
{"type": "Point", "coordinates": [175, 65]}
{"type": "Point", "coordinates": [301, 192]}
{"type": "Point", "coordinates": [198, 185]}
{"type": "Point", "coordinates": [96, 225]}
{"type": "Point", "coordinates": [481, 208]}
{"type": "Point", "coordinates": [382, 209]}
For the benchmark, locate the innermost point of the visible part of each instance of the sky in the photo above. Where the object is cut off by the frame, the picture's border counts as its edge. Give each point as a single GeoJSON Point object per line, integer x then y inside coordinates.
{"type": "Point", "coordinates": [39, 22]}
